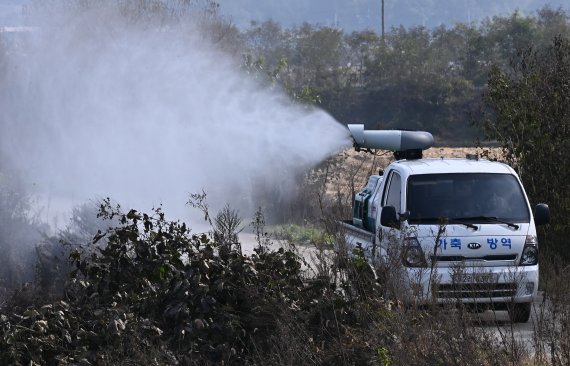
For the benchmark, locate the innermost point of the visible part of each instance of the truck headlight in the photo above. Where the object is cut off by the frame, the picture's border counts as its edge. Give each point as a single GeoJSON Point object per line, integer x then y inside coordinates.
{"type": "Point", "coordinates": [413, 255]}
{"type": "Point", "coordinates": [529, 255]}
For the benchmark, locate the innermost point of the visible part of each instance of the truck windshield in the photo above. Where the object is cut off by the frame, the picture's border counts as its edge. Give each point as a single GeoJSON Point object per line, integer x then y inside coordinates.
{"type": "Point", "coordinates": [469, 197]}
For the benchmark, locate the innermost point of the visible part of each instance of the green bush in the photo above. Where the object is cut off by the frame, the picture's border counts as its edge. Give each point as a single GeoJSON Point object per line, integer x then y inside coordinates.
{"type": "Point", "coordinates": [529, 114]}
{"type": "Point", "coordinates": [303, 235]}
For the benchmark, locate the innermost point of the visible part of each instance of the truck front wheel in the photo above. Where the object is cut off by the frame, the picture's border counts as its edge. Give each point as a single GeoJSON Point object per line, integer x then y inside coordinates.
{"type": "Point", "coordinates": [519, 313]}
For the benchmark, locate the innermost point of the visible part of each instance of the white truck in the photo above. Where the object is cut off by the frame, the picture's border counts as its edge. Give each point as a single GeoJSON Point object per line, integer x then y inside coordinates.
{"type": "Point", "coordinates": [461, 230]}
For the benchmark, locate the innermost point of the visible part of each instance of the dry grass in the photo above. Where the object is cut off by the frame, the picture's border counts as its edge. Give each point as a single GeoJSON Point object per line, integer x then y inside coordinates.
{"type": "Point", "coordinates": [383, 158]}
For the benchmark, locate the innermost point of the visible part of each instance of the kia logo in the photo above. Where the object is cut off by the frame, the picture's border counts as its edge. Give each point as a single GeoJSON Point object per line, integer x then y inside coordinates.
{"type": "Point", "coordinates": [473, 245]}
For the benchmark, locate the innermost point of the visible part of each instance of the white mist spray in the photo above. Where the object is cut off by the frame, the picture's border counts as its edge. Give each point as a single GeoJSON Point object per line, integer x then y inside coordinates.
{"type": "Point", "coordinates": [93, 107]}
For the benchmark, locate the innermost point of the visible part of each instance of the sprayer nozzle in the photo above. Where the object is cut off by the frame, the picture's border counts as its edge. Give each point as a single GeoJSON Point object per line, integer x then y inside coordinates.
{"type": "Point", "coordinates": [394, 140]}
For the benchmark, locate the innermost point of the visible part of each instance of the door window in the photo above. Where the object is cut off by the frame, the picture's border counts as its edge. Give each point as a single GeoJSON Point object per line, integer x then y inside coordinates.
{"type": "Point", "coordinates": [393, 194]}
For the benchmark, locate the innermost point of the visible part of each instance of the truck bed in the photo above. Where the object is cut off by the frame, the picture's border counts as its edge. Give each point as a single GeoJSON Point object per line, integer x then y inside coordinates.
{"type": "Point", "coordinates": [355, 234]}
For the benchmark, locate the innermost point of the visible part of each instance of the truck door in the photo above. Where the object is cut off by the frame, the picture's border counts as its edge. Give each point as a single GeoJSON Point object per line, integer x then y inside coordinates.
{"type": "Point", "coordinates": [392, 196]}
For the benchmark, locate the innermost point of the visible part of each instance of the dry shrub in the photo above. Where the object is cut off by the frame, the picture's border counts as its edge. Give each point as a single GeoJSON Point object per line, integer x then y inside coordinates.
{"type": "Point", "coordinates": [155, 294]}
{"type": "Point", "coordinates": [552, 324]}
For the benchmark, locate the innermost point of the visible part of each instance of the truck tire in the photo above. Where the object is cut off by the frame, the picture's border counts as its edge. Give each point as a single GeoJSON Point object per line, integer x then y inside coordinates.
{"type": "Point", "coordinates": [519, 313]}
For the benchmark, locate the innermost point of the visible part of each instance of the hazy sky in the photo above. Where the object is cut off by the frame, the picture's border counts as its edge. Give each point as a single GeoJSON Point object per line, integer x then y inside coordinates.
{"type": "Point", "coordinates": [351, 14]}
{"type": "Point", "coordinates": [360, 14]}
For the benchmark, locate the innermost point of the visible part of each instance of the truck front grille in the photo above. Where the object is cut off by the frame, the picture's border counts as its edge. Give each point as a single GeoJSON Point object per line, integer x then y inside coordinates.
{"type": "Point", "coordinates": [476, 290]}
{"type": "Point", "coordinates": [460, 258]}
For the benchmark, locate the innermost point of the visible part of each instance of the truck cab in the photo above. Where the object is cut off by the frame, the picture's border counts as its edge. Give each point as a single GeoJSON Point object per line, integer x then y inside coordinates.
{"type": "Point", "coordinates": [460, 230]}
{"type": "Point", "coordinates": [465, 232]}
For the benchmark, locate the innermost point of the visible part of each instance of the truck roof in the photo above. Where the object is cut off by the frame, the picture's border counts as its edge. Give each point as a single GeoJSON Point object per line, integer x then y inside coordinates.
{"type": "Point", "coordinates": [451, 165]}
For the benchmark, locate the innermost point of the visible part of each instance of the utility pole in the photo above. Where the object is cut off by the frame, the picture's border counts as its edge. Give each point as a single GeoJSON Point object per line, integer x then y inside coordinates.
{"type": "Point", "coordinates": [382, 21]}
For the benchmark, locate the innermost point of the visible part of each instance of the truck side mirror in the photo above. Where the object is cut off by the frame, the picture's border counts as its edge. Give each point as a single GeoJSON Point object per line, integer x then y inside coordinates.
{"type": "Point", "coordinates": [541, 214]}
{"type": "Point", "coordinates": [389, 217]}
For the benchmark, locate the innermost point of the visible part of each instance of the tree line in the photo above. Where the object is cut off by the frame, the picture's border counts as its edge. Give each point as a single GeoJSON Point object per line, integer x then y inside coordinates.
{"type": "Point", "coordinates": [413, 78]}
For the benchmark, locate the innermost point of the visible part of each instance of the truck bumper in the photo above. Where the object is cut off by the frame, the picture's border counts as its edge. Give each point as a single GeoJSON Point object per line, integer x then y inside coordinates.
{"type": "Point", "coordinates": [479, 285]}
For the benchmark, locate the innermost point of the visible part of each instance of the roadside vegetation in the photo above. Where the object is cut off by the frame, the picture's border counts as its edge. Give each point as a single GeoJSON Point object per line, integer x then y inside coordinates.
{"type": "Point", "coordinates": [121, 287]}
{"type": "Point", "coordinates": [149, 291]}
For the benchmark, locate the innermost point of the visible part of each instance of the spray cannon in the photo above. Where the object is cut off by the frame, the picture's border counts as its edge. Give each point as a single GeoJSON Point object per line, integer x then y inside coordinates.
{"type": "Point", "coordinates": [404, 144]}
